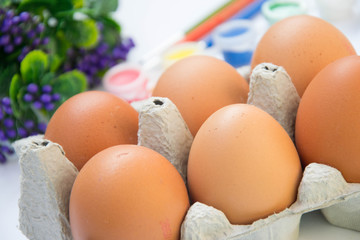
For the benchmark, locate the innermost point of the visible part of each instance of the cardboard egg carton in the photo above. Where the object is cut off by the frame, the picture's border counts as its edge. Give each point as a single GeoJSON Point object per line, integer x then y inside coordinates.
{"type": "Point", "coordinates": [47, 175]}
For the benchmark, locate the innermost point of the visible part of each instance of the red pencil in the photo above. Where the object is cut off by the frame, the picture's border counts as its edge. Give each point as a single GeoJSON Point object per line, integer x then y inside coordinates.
{"type": "Point", "coordinates": [207, 26]}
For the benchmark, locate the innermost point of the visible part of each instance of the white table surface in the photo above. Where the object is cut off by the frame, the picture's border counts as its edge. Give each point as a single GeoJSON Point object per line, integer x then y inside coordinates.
{"type": "Point", "coordinates": [152, 23]}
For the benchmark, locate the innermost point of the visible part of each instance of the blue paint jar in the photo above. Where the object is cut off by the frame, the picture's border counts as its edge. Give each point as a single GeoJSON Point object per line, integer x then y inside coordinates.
{"type": "Point", "coordinates": [236, 39]}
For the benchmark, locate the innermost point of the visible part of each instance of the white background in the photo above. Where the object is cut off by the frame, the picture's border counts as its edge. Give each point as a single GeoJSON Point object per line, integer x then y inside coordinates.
{"type": "Point", "coordinates": [152, 23]}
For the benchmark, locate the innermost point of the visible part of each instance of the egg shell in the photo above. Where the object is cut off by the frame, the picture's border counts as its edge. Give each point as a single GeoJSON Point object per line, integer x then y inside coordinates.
{"type": "Point", "coordinates": [303, 45]}
{"type": "Point", "coordinates": [91, 121]}
{"type": "Point", "coordinates": [243, 163]}
{"type": "Point", "coordinates": [128, 192]}
{"type": "Point", "coordinates": [200, 85]}
{"type": "Point", "coordinates": [327, 124]}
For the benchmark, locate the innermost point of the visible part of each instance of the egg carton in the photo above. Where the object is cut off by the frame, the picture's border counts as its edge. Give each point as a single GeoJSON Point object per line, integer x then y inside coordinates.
{"type": "Point", "coordinates": [47, 175]}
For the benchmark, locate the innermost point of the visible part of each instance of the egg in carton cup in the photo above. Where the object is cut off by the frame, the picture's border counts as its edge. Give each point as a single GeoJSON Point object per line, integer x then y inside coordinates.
{"type": "Point", "coordinates": [47, 176]}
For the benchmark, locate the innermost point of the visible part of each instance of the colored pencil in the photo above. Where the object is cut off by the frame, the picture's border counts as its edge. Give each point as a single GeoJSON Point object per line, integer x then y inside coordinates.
{"type": "Point", "coordinates": [212, 14]}
{"type": "Point", "coordinates": [195, 34]}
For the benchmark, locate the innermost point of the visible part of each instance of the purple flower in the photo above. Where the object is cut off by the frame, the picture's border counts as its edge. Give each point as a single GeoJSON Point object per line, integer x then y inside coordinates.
{"type": "Point", "coordinates": [2, 136]}
{"type": "Point", "coordinates": [2, 158]}
{"type": "Point", "coordinates": [29, 124]}
{"type": "Point", "coordinates": [40, 28]}
{"type": "Point", "coordinates": [127, 43]}
{"type": "Point", "coordinates": [38, 104]}
{"type": "Point", "coordinates": [15, 30]}
{"type": "Point", "coordinates": [103, 62]}
{"type": "Point", "coordinates": [93, 59]}
{"type": "Point", "coordinates": [6, 25]}
{"type": "Point", "coordinates": [18, 40]}
{"type": "Point", "coordinates": [36, 42]}
{"type": "Point", "coordinates": [32, 88]}
{"type": "Point", "coordinates": [49, 106]}
{"type": "Point", "coordinates": [11, 133]}
{"type": "Point", "coordinates": [31, 34]}
{"type": "Point", "coordinates": [22, 132]}
{"type": "Point", "coordinates": [24, 16]}
{"type": "Point", "coordinates": [42, 127]}
{"type": "Point", "coordinates": [46, 89]}
{"type": "Point", "coordinates": [5, 39]}
{"type": "Point", "coordinates": [21, 57]}
{"type": "Point", "coordinates": [6, 101]}
{"type": "Point", "coordinates": [45, 40]}
{"type": "Point", "coordinates": [8, 110]}
{"type": "Point", "coordinates": [9, 48]}
{"type": "Point", "coordinates": [8, 122]}
{"type": "Point", "coordinates": [10, 13]}
{"type": "Point", "coordinates": [23, 53]}
{"type": "Point", "coordinates": [56, 97]}
{"type": "Point", "coordinates": [28, 97]}
{"type": "Point", "coordinates": [102, 48]}
{"type": "Point", "coordinates": [119, 53]}
{"type": "Point", "coordinates": [45, 98]}
{"type": "Point", "coordinates": [16, 19]}
{"type": "Point", "coordinates": [7, 149]}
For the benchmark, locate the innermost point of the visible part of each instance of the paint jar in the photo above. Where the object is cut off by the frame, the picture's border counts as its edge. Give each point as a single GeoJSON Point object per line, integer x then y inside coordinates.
{"type": "Point", "coordinates": [127, 81]}
{"type": "Point", "coordinates": [180, 51]}
{"type": "Point", "coordinates": [277, 10]}
{"type": "Point", "coordinates": [236, 39]}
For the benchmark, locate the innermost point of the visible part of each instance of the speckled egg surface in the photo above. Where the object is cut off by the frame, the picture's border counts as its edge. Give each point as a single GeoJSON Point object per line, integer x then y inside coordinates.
{"type": "Point", "coordinates": [243, 163]}
{"type": "Point", "coordinates": [91, 121]}
{"type": "Point", "coordinates": [200, 85]}
{"type": "Point", "coordinates": [303, 45]}
{"type": "Point", "coordinates": [327, 126]}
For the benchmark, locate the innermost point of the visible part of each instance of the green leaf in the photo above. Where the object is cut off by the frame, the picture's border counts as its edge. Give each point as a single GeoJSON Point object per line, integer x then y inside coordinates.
{"type": "Point", "coordinates": [102, 7]}
{"type": "Point", "coordinates": [111, 32]}
{"type": "Point", "coordinates": [62, 5]}
{"type": "Point", "coordinates": [82, 33]}
{"type": "Point", "coordinates": [54, 62]}
{"type": "Point", "coordinates": [15, 86]}
{"type": "Point", "coordinates": [48, 79]}
{"type": "Point", "coordinates": [111, 36]}
{"type": "Point", "coordinates": [35, 5]}
{"type": "Point", "coordinates": [6, 74]}
{"type": "Point", "coordinates": [78, 3]}
{"type": "Point", "coordinates": [5, 3]}
{"type": "Point", "coordinates": [23, 106]}
{"type": "Point", "coordinates": [58, 45]}
{"type": "Point", "coordinates": [70, 83]}
{"type": "Point", "coordinates": [33, 66]}
{"type": "Point", "coordinates": [53, 6]}
{"type": "Point", "coordinates": [111, 23]}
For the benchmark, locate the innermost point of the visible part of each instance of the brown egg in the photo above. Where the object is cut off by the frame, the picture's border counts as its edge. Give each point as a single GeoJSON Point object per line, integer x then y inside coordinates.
{"type": "Point", "coordinates": [91, 121]}
{"type": "Point", "coordinates": [243, 163]}
{"type": "Point", "coordinates": [327, 128]}
{"type": "Point", "coordinates": [303, 45]}
{"type": "Point", "coordinates": [128, 192]}
{"type": "Point", "coordinates": [200, 85]}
